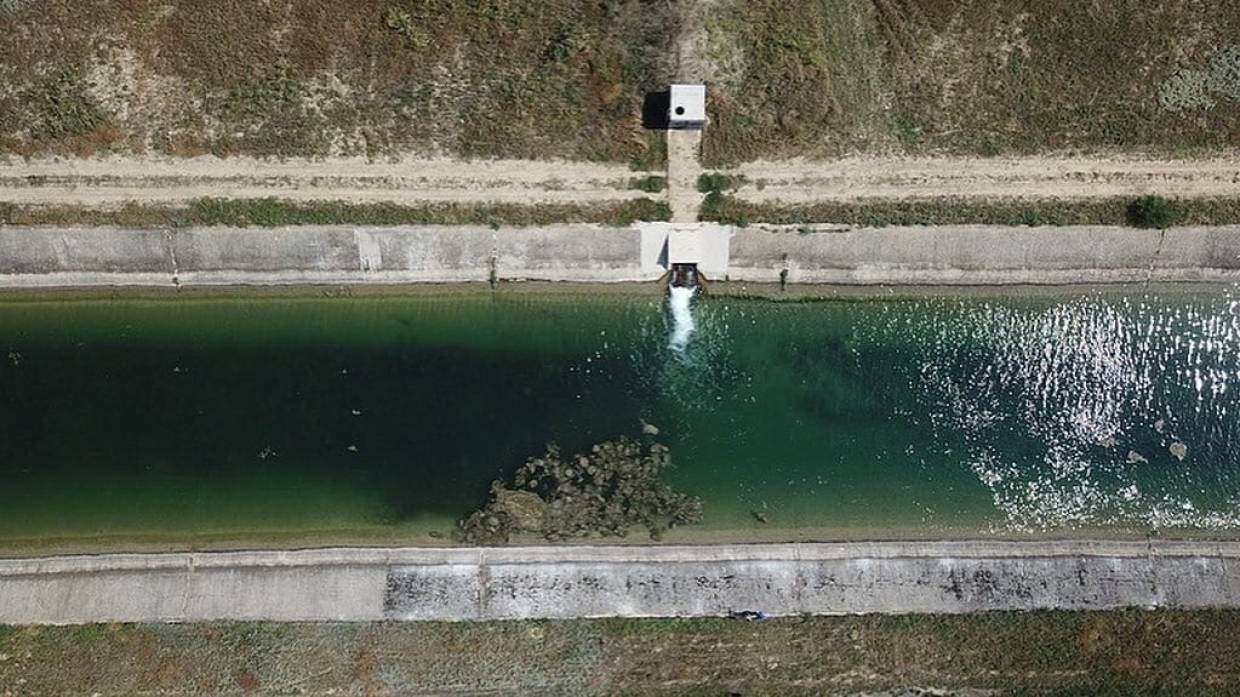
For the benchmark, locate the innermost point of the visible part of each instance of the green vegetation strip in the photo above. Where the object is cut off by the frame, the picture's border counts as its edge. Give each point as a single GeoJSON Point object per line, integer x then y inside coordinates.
{"type": "Point", "coordinates": [1131, 653]}
{"type": "Point", "coordinates": [1144, 212]}
{"type": "Point", "coordinates": [651, 184]}
{"type": "Point", "coordinates": [269, 212]}
{"type": "Point", "coordinates": [718, 182]}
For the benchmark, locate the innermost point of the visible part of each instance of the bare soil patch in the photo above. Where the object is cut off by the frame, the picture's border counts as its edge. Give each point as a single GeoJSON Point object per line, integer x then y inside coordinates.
{"type": "Point", "coordinates": [110, 183]}
{"type": "Point", "coordinates": [801, 181]}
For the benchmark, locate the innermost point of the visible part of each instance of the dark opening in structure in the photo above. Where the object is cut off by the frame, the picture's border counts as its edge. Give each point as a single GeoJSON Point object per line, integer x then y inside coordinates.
{"type": "Point", "coordinates": [684, 276]}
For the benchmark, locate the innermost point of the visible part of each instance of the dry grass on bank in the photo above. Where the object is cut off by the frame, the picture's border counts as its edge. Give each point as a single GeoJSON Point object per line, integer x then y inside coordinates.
{"type": "Point", "coordinates": [478, 78]}
{"type": "Point", "coordinates": [1128, 653]}
{"type": "Point", "coordinates": [270, 212]}
{"type": "Point", "coordinates": [813, 78]}
{"type": "Point", "coordinates": [725, 208]}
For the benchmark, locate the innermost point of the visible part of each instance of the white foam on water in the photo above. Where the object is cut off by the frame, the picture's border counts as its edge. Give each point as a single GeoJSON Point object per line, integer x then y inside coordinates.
{"type": "Point", "coordinates": [680, 301]}
{"type": "Point", "coordinates": [1086, 380]}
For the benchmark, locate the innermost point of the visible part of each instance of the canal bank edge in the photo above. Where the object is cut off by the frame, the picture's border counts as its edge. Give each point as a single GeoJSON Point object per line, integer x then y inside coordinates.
{"type": "Point", "coordinates": [562, 582]}
{"type": "Point", "coordinates": [39, 257]}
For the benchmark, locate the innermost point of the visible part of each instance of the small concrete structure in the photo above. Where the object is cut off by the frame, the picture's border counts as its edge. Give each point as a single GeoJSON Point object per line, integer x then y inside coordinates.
{"type": "Point", "coordinates": [704, 245]}
{"type": "Point", "coordinates": [687, 107]}
{"type": "Point", "coordinates": [684, 253]}
{"type": "Point", "coordinates": [684, 247]}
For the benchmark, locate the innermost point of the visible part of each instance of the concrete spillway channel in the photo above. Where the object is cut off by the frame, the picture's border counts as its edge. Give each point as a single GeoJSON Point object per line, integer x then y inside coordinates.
{"type": "Point", "coordinates": [457, 584]}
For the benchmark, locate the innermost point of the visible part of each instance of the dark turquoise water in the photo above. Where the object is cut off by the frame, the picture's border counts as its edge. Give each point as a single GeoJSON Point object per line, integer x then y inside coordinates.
{"type": "Point", "coordinates": [932, 416]}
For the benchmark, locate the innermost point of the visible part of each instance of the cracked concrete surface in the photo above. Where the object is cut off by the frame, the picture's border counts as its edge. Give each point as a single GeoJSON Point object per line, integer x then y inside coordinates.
{"type": "Point", "coordinates": [569, 581]}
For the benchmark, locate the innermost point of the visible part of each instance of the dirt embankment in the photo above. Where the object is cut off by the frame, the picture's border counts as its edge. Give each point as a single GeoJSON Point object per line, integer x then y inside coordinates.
{"type": "Point", "coordinates": [303, 78]}
{"type": "Point", "coordinates": [111, 182]}
{"type": "Point", "coordinates": [803, 181]}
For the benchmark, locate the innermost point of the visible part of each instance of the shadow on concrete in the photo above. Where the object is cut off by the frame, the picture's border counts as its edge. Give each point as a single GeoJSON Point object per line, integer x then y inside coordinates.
{"type": "Point", "coordinates": [654, 110]}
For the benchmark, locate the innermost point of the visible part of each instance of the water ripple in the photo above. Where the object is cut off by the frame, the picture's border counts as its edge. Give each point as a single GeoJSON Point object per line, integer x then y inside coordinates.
{"type": "Point", "coordinates": [1093, 411]}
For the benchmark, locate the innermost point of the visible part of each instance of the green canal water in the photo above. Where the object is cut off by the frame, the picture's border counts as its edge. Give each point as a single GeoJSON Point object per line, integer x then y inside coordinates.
{"type": "Point", "coordinates": [934, 416]}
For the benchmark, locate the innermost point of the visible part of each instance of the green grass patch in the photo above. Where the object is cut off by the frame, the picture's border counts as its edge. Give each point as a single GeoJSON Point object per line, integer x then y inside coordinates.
{"type": "Point", "coordinates": [711, 182]}
{"type": "Point", "coordinates": [270, 212]}
{"type": "Point", "coordinates": [1100, 654]}
{"type": "Point", "coordinates": [721, 208]}
{"type": "Point", "coordinates": [1154, 212]}
{"type": "Point", "coordinates": [652, 155]}
{"type": "Point", "coordinates": [731, 210]}
{"type": "Point", "coordinates": [651, 184]}
{"type": "Point", "coordinates": [665, 626]}
{"type": "Point", "coordinates": [65, 109]}
{"type": "Point", "coordinates": [88, 634]}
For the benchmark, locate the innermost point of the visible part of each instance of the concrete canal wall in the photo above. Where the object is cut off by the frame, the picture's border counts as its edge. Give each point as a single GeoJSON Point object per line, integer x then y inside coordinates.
{"type": "Point", "coordinates": [985, 255]}
{"type": "Point", "coordinates": [620, 581]}
{"type": "Point", "coordinates": [963, 255]}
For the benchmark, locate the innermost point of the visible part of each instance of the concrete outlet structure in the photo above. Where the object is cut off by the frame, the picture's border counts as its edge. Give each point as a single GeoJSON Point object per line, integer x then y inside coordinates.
{"type": "Point", "coordinates": [705, 245]}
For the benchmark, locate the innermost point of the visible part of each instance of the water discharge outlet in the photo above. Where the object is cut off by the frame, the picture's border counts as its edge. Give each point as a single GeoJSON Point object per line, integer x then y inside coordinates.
{"type": "Point", "coordinates": [680, 305]}
{"type": "Point", "coordinates": [684, 276]}
{"type": "Point", "coordinates": [685, 255]}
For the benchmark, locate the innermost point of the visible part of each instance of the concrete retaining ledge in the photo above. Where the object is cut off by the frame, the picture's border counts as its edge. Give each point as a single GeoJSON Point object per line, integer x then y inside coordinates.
{"type": "Point", "coordinates": [986, 255]}
{"type": "Point", "coordinates": [57, 257]}
{"type": "Point", "coordinates": [454, 584]}
{"type": "Point", "coordinates": [947, 255]}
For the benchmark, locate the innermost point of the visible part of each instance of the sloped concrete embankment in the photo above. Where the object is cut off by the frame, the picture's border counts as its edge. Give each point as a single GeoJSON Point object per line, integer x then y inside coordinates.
{"type": "Point", "coordinates": [621, 581]}
{"type": "Point", "coordinates": [46, 257]}
{"type": "Point", "coordinates": [948, 255]}
{"type": "Point", "coordinates": [985, 255]}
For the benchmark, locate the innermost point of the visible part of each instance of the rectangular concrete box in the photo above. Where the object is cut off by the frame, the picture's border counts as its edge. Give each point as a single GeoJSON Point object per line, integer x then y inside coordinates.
{"type": "Point", "coordinates": [711, 254]}
{"type": "Point", "coordinates": [684, 247]}
{"type": "Point", "coordinates": [687, 106]}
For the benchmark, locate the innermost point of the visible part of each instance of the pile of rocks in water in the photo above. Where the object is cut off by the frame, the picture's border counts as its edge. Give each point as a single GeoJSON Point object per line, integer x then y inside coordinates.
{"type": "Point", "coordinates": [607, 492]}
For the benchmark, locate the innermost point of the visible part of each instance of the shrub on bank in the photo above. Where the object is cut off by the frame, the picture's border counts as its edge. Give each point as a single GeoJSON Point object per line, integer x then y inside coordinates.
{"type": "Point", "coordinates": [1150, 211]}
{"type": "Point", "coordinates": [651, 184]}
{"type": "Point", "coordinates": [1153, 212]}
{"type": "Point", "coordinates": [270, 212]}
{"type": "Point", "coordinates": [716, 182]}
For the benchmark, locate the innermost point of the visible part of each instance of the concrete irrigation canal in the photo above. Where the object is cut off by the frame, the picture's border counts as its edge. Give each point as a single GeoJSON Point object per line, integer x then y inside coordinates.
{"type": "Point", "coordinates": [165, 420]}
{"type": "Point", "coordinates": [174, 418]}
